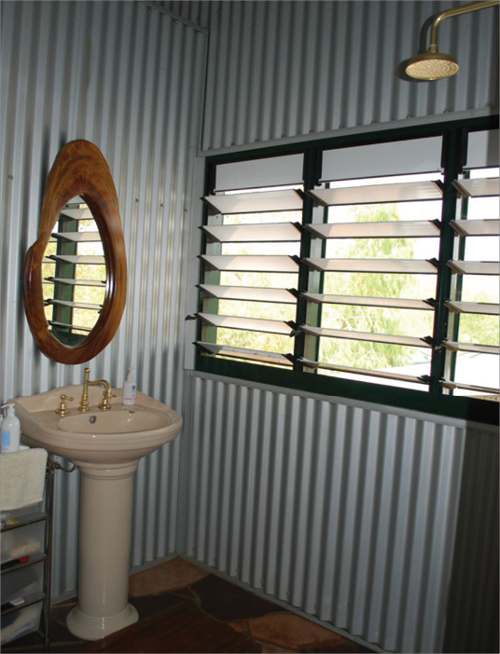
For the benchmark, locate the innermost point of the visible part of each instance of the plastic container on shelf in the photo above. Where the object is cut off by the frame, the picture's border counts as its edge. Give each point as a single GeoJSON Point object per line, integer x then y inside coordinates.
{"type": "Point", "coordinates": [25, 541]}
{"type": "Point", "coordinates": [5, 516]}
{"type": "Point", "coordinates": [21, 622]}
{"type": "Point", "coordinates": [23, 582]}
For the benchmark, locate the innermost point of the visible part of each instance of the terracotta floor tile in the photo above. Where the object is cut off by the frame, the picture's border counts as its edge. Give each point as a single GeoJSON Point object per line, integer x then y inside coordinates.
{"type": "Point", "coordinates": [149, 605]}
{"type": "Point", "coordinates": [272, 649]}
{"type": "Point", "coordinates": [176, 573]}
{"type": "Point", "coordinates": [344, 646]}
{"type": "Point", "coordinates": [67, 647]}
{"type": "Point", "coordinates": [186, 594]}
{"type": "Point", "coordinates": [291, 630]}
{"type": "Point", "coordinates": [229, 602]}
{"type": "Point", "coordinates": [239, 625]}
{"type": "Point", "coordinates": [180, 628]}
{"type": "Point", "coordinates": [253, 624]}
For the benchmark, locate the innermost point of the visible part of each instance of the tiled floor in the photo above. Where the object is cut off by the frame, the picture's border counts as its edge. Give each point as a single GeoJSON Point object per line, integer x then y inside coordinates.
{"type": "Point", "coordinates": [183, 606]}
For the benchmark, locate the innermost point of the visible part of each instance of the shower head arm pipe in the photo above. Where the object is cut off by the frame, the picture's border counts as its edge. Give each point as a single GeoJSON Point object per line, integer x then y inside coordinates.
{"type": "Point", "coordinates": [455, 11]}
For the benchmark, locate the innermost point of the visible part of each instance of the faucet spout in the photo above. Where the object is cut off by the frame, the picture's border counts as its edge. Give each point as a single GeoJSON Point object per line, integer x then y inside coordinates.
{"type": "Point", "coordinates": [107, 394]}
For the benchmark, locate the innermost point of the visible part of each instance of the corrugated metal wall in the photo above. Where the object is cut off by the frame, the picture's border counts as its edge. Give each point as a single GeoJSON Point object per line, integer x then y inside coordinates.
{"type": "Point", "coordinates": [287, 69]}
{"type": "Point", "coordinates": [346, 512]}
{"type": "Point", "coordinates": [366, 524]}
{"type": "Point", "coordinates": [129, 79]}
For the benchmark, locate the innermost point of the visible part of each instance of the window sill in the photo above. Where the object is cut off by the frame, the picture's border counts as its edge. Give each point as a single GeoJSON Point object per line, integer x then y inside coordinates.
{"type": "Point", "coordinates": [465, 408]}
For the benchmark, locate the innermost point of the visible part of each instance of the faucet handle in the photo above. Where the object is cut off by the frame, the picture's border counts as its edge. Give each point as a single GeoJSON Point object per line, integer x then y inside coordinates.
{"type": "Point", "coordinates": [105, 405]}
{"type": "Point", "coordinates": [62, 409]}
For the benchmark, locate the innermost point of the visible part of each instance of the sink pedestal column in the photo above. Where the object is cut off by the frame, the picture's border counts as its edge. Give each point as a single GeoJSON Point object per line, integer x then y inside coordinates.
{"type": "Point", "coordinates": [104, 551]}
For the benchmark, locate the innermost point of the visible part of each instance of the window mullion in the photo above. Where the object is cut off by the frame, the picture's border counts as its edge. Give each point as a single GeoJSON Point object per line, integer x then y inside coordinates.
{"type": "Point", "coordinates": [304, 312]}
{"type": "Point", "coordinates": [457, 284]}
{"type": "Point", "coordinates": [452, 165]}
{"type": "Point", "coordinates": [209, 304]}
{"type": "Point", "coordinates": [64, 314]}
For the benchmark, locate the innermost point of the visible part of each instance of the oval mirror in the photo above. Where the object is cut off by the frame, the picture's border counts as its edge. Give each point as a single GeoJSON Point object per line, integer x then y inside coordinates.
{"type": "Point", "coordinates": [75, 274]}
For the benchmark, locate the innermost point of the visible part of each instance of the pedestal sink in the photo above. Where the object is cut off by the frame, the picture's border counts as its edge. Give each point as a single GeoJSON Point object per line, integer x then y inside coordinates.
{"type": "Point", "coordinates": [106, 446]}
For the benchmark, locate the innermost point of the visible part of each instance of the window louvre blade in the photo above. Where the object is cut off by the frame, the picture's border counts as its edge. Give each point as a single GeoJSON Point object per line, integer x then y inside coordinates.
{"type": "Point", "coordinates": [355, 300]}
{"type": "Point", "coordinates": [78, 214]}
{"type": "Point", "coordinates": [488, 227]}
{"type": "Point", "coordinates": [409, 341]}
{"type": "Point", "coordinates": [247, 263]}
{"type": "Point", "coordinates": [77, 282]}
{"type": "Point", "coordinates": [78, 328]}
{"type": "Point", "coordinates": [75, 305]}
{"type": "Point", "coordinates": [361, 371]}
{"type": "Point", "coordinates": [244, 353]}
{"type": "Point", "coordinates": [275, 233]}
{"type": "Point", "coordinates": [406, 229]}
{"type": "Point", "coordinates": [454, 346]}
{"type": "Point", "coordinates": [407, 266]}
{"type": "Point", "coordinates": [482, 308]}
{"type": "Point", "coordinates": [79, 237]}
{"type": "Point", "coordinates": [468, 387]}
{"type": "Point", "coordinates": [375, 194]}
{"type": "Point", "coordinates": [246, 324]}
{"type": "Point", "coordinates": [76, 259]}
{"type": "Point", "coordinates": [275, 295]}
{"type": "Point", "coordinates": [267, 201]}
{"type": "Point", "coordinates": [478, 188]}
{"type": "Point", "coordinates": [475, 267]}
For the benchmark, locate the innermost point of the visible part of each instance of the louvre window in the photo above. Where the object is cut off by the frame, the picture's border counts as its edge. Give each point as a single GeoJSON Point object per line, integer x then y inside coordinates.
{"type": "Point", "coordinates": [253, 241]}
{"type": "Point", "coordinates": [379, 265]}
{"type": "Point", "coordinates": [74, 274]}
{"type": "Point", "coordinates": [473, 339]}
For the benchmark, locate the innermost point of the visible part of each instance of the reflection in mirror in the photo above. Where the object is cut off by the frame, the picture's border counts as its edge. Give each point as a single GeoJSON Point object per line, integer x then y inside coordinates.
{"type": "Point", "coordinates": [74, 274]}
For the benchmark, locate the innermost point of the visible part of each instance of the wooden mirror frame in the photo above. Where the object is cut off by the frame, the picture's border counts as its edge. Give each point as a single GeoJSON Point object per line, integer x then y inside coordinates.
{"type": "Point", "coordinates": [80, 169]}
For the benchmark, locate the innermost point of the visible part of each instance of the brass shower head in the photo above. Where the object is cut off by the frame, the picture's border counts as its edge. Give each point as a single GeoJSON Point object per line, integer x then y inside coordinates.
{"type": "Point", "coordinates": [433, 64]}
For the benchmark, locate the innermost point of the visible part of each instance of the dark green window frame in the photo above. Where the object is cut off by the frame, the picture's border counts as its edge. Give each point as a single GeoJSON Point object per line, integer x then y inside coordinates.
{"type": "Point", "coordinates": [454, 134]}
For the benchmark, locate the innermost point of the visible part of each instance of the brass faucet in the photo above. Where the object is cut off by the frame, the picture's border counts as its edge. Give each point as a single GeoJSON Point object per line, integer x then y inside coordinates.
{"type": "Point", "coordinates": [106, 396]}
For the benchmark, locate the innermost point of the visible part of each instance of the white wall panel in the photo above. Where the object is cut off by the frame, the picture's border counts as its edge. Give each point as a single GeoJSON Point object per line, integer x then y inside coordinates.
{"type": "Point", "coordinates": [129, 79]}
{"type": "Point", "coordinates": [358, 515]}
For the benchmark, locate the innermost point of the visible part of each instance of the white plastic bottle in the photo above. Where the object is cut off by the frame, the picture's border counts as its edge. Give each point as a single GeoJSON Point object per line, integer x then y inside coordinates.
{"type": "Point", "coordinates": [129, 388]}
{"type": "Point", "coordinates": [10, 430]}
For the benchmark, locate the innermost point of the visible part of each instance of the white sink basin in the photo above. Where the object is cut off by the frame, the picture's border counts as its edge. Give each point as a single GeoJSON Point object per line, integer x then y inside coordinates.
{"type": "Point", "coordinates": [123, 434]}
{"type": "Point", "coordinates": [106, 446]}
{"type": "Point", "coordinates": [118, 422]}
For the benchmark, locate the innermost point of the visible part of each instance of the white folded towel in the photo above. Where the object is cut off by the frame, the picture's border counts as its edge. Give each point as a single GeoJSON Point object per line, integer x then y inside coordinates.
{"type": "Point", "coordinates": [22, 479]}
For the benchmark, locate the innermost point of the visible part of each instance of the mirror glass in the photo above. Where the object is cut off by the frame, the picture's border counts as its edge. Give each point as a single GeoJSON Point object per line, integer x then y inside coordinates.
{"type": "Point", "coordinates": [74, 274]}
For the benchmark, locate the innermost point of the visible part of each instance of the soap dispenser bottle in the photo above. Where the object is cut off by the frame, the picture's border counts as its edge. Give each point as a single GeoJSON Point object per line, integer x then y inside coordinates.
{"type": "Point", "coordinates": [10, 430]}
{"type": "Point", "coordinates": [129, 388]}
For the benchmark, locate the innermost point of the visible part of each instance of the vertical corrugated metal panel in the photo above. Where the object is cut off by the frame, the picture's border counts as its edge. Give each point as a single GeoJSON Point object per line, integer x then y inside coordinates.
{"type": "Point", "coordinates": [193, 11]}
{"type": "Point", "coordinates": [346, 512]}
{"type": "Point", "coordinates": [128, 78]}
{"type": "Point", "coordinates": [475, 561]}
{"type": "Point", "coordinates": [288, 69]}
